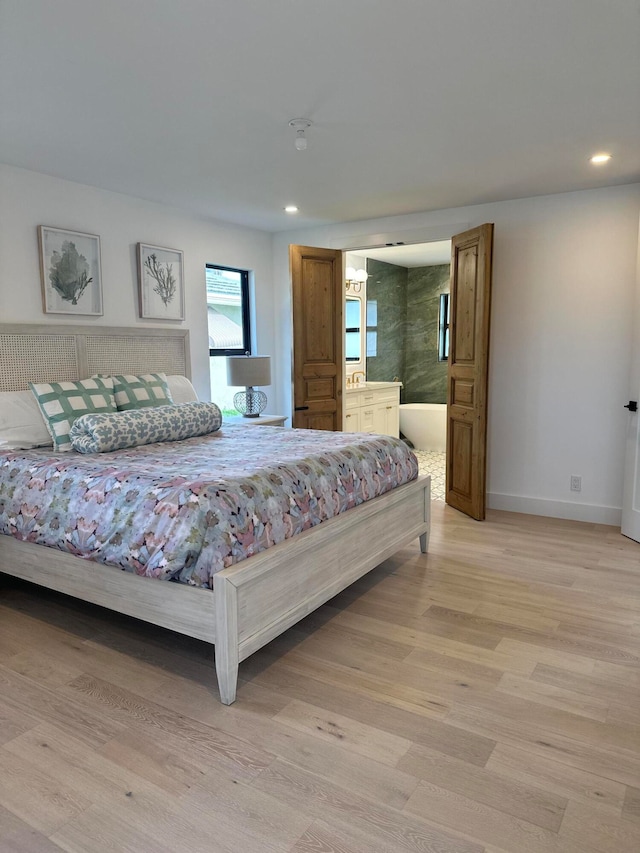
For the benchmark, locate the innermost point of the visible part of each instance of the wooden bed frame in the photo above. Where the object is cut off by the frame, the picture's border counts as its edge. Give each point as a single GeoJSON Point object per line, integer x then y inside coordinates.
{"type": "Point", "coordinates": [253, 601]}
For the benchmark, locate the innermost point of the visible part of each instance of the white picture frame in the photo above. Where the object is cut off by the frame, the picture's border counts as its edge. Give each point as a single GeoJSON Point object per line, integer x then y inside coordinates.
{"type": "Point", "coordinates": [70, 272]}
{"type": "Point", "coordinates": [160, 282]}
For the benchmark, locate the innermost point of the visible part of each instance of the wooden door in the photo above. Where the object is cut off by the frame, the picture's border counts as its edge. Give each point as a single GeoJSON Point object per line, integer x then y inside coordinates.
{"type": "Point", "coordinates": [470, 302]}
{"type": "Point", "coordinates": [317, 298]}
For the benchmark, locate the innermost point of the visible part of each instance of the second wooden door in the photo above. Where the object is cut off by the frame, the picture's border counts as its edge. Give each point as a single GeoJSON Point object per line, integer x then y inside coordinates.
{"type": "Point", "coordinates": [317, 297]}
{"type": "Point", "coordinates": [470, 300]}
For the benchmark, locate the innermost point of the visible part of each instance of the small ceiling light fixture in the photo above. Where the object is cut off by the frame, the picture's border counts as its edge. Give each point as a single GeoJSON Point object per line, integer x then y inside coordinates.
{"type": "Point", "coordinates": [300, 125]}
{"type": "Point", "coordinates": [291, 208]}
{"type": "Point", "coordinates": [599, 159]}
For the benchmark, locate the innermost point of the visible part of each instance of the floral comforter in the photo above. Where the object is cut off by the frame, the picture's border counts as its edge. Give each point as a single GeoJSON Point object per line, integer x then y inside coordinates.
{"type": "Point", "coordinates": [186, 509]}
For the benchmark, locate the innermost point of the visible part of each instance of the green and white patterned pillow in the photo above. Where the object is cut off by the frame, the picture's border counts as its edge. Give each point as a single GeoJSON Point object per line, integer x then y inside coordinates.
{"type": "Point", "coordinates": [141, 392]}
{"type": "Point", "coordinates": [61, 403]}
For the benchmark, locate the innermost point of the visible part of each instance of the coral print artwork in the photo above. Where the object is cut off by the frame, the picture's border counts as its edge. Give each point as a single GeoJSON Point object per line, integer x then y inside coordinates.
{"type": "Point", "coordinates": [160, 282]}
{"type": "Point", "coordinates": [70, 272]}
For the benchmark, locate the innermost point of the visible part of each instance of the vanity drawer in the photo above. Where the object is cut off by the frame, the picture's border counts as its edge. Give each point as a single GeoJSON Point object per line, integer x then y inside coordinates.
{"type": "Point", "coordinates": [391, 395]}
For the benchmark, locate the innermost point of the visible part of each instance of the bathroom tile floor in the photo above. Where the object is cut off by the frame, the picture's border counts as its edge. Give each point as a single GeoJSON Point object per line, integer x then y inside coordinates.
{"type": "Point", "coordinates": [432, 462]}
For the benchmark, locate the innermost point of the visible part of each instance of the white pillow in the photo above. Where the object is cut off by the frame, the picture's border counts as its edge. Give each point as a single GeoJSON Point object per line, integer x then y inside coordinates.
{"type": "Point", "coordinates": [21, 423]}
{"type": "Point", "coordinates": [182, 391]}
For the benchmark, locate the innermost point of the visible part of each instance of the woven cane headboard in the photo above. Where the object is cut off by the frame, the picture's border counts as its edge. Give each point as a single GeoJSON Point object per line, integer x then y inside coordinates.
{"type": "Point", "coordinates": [41, 353]}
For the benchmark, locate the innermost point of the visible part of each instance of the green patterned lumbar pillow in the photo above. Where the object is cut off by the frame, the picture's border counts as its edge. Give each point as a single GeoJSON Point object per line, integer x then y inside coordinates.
{"type": "Point", "coordinates": [102, 433]}
{"type": "Point", "coordinates": [141, 392]}
{"type": "Point", "coordinates": [61, 403]}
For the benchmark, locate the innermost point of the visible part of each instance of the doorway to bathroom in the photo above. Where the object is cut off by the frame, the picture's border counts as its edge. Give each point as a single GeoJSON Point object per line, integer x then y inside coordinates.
{"type": "Point", "coordinates": [462, 323]}
{"type": "Point", "coordinates": [319, 370]}
{"type": "Point", "coordinates": [397, 328]}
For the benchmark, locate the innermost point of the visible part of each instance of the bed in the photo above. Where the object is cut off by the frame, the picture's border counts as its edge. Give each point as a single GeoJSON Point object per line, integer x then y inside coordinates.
{"type": "Point", "coordinates": [254, 600]}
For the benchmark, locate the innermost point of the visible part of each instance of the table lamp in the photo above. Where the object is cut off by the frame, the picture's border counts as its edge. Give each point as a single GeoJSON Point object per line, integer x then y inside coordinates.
{"type": "Point", "coordinates": [249, 370]}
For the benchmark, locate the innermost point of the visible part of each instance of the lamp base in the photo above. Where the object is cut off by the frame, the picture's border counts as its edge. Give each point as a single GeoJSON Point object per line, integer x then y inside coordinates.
{"type": "Point", "coordinates": [250, 403]}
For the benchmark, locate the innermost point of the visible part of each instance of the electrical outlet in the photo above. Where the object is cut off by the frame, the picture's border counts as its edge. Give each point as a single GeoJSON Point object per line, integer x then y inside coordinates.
{"type": "Point", "coordinates": [576, 483]}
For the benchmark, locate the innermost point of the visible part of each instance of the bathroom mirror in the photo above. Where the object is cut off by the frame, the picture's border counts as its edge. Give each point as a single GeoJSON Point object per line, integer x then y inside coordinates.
{"type": "Point", "coordinates": [353, 329]}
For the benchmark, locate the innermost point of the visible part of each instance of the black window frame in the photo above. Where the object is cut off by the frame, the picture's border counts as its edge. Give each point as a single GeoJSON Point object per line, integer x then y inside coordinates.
{"type": "Point", "coordinates": [444, 325]}
{"type": "Point", "coordinates": [246, 313]}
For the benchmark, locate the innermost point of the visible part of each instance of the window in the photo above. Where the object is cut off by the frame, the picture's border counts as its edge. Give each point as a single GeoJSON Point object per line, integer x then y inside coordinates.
{"type": "Point", "coordinates": [229, 331]}
{"type": "Point", "coordinates": [443, 328]}
{"type": "Point", "coordinates": [228, 310]}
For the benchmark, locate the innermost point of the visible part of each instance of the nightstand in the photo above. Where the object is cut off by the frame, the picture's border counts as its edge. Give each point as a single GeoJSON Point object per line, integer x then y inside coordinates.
{"type": "Point", "coordinates": [263, 420]}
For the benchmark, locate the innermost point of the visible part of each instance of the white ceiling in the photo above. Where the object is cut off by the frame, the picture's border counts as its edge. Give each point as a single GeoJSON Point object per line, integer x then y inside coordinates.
{"type": "Point", "coordinates": [417, 104]}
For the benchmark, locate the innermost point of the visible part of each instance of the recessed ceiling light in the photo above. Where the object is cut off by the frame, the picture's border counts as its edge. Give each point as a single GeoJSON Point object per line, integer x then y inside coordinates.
{"type": "Point", "coordinates": [599, 159]}
{"type": "Point", "coordinates": [291, 208]}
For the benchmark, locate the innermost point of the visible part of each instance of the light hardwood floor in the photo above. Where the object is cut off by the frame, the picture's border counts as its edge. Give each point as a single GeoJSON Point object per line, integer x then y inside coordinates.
{"type": "Point", "coordinates": [483, 697]}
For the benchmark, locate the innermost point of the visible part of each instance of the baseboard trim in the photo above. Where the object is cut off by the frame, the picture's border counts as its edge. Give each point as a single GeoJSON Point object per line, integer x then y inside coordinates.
{"type": "Point", "coordinates": [556, 509]}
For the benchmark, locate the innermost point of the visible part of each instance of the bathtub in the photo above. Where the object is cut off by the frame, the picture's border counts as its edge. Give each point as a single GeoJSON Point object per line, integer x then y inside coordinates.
{"type": "Point", "coordinates": [425, 425]}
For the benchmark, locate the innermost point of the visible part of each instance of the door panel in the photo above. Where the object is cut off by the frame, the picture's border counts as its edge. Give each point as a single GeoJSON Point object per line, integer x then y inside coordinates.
{"type": "Point", "coordinates": [462, 392]}
{"type": "Point", "coordinates": [352, 421]}
{"type": "Point", "coordinates": [317, 275]}
{"type": "Point", "coordinates": [319, 420]}
{"type": "Point", "coordinates": [470, 302]}
{"type": "Point", "coordinates": [317, 296]}
{"type": "Point", "coordinates": [320, 388]}
{"type": "Point", "coordinates": [462, 452]}
{"type": "Point", "coordinates": [631, 494]}
{"type": "Point", "coordinates": [463, 338]}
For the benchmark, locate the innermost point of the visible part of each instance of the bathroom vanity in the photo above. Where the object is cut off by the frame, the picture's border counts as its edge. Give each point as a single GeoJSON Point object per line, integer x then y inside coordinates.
{"type": "Point", "coordinates": [373, 407]}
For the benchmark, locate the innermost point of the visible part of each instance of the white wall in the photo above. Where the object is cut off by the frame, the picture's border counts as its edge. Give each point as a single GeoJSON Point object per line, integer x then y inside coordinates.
{"type": "Point", "coordinates": [563, 290]}
{"type": "Point", "coordinates": [29, 199]}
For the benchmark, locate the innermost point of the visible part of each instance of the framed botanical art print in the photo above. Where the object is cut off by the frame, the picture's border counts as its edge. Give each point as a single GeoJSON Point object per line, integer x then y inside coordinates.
{"type": "Point", "coordinates": [70, 271]}
{"type": "Point", "coordinates": [160, 282]}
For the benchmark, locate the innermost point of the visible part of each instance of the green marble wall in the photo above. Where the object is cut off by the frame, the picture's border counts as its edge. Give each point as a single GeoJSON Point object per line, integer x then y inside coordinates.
{"type": "Point", "coordinates": [425, 378]}
{"type": "Point", "coordinates": [387, 287]}
{"type": "Point", "coordinates": [407, 331]}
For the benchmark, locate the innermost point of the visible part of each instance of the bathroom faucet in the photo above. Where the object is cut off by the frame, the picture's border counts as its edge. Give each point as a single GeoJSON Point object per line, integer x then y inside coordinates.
{"type": "Point", "coordinates": [358, 373]}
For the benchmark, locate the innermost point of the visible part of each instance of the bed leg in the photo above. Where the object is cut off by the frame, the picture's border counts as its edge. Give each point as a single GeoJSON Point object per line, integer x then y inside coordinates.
{"type": "Point", "coordinates": [227, 656]}
{"type": "Point", "coordinates": [227, 673]}
{"type": "Point", "coordinates": [424, 537]}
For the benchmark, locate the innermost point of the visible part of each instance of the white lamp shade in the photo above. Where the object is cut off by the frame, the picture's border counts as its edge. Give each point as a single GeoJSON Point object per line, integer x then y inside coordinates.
{"type": "Point", "coordinates": [248, 370]}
